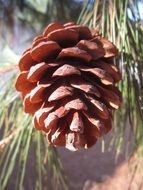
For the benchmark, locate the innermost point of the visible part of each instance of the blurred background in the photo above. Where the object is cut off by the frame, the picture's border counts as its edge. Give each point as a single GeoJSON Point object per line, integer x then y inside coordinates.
{"type": "Point", "coordinates": [115, 162]}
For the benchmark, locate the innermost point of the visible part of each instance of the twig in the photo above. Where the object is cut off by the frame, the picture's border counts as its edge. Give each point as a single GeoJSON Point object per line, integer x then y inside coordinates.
{"type": "Point", "coordinates": [4, 142]}
{"type": "Point", "coordinates": [8, 68]}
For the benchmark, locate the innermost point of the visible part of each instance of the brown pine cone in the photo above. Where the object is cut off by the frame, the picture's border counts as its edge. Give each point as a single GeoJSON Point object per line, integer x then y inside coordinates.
{"type": "Point", "coordinates": [67, 82]}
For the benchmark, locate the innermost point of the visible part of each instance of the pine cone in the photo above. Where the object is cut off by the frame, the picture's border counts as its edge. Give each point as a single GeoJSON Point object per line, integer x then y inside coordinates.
{"type": "Point", "coordinates": [67, 82]}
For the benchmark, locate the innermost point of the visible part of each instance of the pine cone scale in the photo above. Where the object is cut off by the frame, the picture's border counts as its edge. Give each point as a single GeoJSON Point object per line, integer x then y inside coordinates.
{"type": "Point", "coordinates": [63, 37]}
{"type": "Point", "coordinates": [44, 50]}
{"type": "Point", "coordinates": [66, 70]}
{"type": "Point", "coordinates": [52, 27]}
{"type": "Point", "coordinates": [26, 61]}
{"type": "Point", "coordinates": [75, 52]}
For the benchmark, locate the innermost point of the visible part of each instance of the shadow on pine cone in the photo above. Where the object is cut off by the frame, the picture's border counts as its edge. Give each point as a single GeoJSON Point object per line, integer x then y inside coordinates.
{"type": "Point", "coordinates": [67, 82]}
